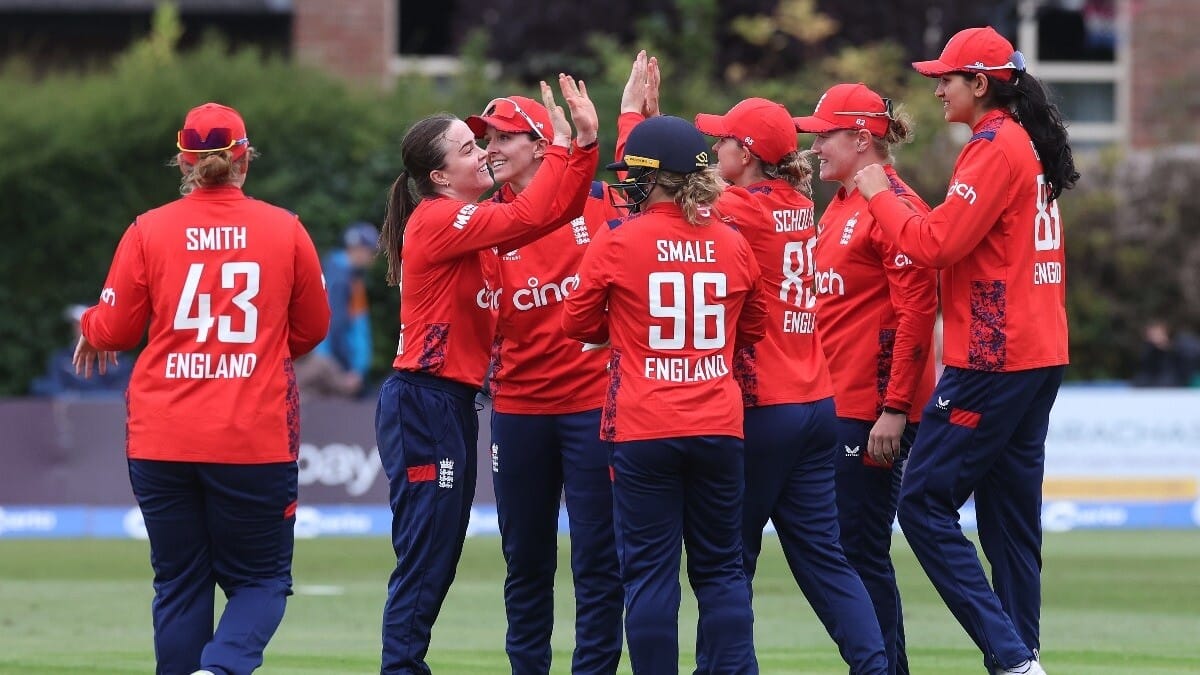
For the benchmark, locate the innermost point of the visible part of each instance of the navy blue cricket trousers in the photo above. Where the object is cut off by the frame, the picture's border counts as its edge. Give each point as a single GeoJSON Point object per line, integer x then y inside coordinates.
{"type": "Point", "coordinates": [227, 525]}
{"type": "Point", "coordinates": [866, 504]}
{"type": "Point", "coordinates": [535, 460]}
{"type": "Point", "coordinates": [689, 490]}
{"type": "Point", "coordinates": [984, 433]}
{"type": "Point", "coordinates": [790, 480]}
{"type": "Point", "coordinates": [427, 428]}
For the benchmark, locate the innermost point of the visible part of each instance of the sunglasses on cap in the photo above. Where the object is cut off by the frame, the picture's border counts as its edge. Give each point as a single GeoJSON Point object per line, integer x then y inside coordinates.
{"type": "Point", "coordinates": [888, 111]}
{"type": "Point", "coordinates": [1015, 62]}
{"type": "Point", "coordinates": [505, 107]}
{"type": "Point", "coordinates": [220, 138]}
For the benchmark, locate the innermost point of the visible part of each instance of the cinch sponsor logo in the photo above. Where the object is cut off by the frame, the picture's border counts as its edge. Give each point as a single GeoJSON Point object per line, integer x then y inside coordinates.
{"type": "Point", "coordinates": [962, 190]}
{"type": "Point", "coordinates": [541, 295]}
{"type": "Point", "coordinates": [27, 520]}
{"type": "Point", "coordinates": [464, 215]}
{"type": "Point", "coordinates": [486, 298]}
{"type": "Point", "coordinates": [829, 282]}
{"type": "Point", "coordinates": [339, 464]}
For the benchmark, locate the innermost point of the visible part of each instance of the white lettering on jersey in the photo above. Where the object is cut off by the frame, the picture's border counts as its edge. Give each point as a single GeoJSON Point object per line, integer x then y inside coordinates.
{"type": "Point", "coordinates": [901, 260]}
{"type": "Point", "coordinates": [793, 220]}
{"type": "Point", "coordinates": [486, 298]}
{"type": "Point", "coordinates": [1047, 273]}
{"type": "Point", "coordinates": [684, 370]}
{"type": "Point", "coordinates": [830, 282]}
{"type": "Point", "coordinates": [799, 322]}
{"type": "Point", "coordinates": [223, 238]}
{"type": "Point", "coordinates": [687, 251]}
{"type": "Point", "coordinates": [543, 295]}
{"type": "Point", "coordinates": [464, 214]}
{"type": "Point", "coordinates": [188, 366]}
{"type": "Point", "coordinates": [109, 297]}
{"type": "Point", "coordinates": [962, 190]}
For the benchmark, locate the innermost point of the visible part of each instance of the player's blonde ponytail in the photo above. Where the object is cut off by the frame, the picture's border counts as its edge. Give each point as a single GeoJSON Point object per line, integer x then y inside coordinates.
{"type": "Point", "coordinates": [694, 192]}
{"type": "Point", "coordinates": [213, 169]}
{"type": "Point", "coordinates": [899, 131]}
{"type": "Point", "coordinates": [796, 168]}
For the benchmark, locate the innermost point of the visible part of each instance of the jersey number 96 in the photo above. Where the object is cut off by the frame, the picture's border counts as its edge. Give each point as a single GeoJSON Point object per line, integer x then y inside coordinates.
{"type": "Point", "coordinates": [669, 299]}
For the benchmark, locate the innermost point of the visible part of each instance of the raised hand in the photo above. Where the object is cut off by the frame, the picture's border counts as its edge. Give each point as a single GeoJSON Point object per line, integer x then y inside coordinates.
{"type": "Point", "coordinates": [583, 111]}
{"type": "Point", "coordinates": [633, 98]}
{"type": "Point", "coordinates": [558, 118]}
{"type": "Point", "coordinates": [653, 80]}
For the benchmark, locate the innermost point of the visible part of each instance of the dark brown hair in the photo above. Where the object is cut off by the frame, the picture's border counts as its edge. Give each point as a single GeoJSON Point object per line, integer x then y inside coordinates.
{"type": "Point", "coordinates": [422, 151]}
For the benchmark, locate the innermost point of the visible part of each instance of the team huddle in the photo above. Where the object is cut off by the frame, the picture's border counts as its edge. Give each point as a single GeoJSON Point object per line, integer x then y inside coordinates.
{"type": "Point", "coordinates": [682, 353]}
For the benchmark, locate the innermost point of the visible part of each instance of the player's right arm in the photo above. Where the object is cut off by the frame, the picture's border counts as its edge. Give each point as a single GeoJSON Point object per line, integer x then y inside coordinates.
{"type": "Point", "coordinates": [308, 309]}
{"type": "Point", "coordinates": [118, 321]}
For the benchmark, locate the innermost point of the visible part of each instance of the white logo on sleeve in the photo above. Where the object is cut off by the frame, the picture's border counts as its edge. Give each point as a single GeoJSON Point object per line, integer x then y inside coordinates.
{"type": "Point", "coordinates": [464, 215]}
{"type": "Point", "coordinates": [446, 474]}
{"type": "Point", "coordinates": [109, 296]}
{"type": "Point", "coordinates": [902, 260]}
{"type": "Point", "coordinates": [963, 190]}
{"type": "Point", "coordinates": [852, 452]}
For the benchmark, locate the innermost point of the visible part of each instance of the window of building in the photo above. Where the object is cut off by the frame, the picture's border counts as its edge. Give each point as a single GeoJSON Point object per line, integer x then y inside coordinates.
{"type": "Point", "coordinates": [1076, 48]}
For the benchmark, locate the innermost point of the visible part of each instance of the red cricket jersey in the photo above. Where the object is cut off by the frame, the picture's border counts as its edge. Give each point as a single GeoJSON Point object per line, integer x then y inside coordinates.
{"type": "Point", "coordinates": [788, 365]}
{"type": "Point", "coordinates": [675, 299]}
{"type": "Point", "coordinates": [875, 310]}
{"type": "Point", "coordinates": [231, 288]}
{"type": "Point", "coordinates": [536, 368]}
{"type": "Point", "coordinates": [998, 240]}
{"type": "Point", "coordinates": [447, 303]}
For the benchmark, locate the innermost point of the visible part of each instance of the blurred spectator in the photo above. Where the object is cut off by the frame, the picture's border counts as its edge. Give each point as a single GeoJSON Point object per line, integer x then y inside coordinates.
{"type": "Point", "coordinates": [1165, 360]}
{"type": "Point", "coordinates": [60, 378]}
{"type": "Point", "coordinates": [339, 365]}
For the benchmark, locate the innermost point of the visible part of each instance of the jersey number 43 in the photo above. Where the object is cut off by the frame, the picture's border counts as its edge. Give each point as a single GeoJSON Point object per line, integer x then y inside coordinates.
{"type": "Point", "coordinates": [234, 275]}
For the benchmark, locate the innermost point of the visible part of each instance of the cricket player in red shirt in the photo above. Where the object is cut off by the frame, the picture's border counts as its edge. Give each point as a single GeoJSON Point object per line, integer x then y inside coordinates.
{"type": "Point", "coordinates": [875, 314]}
{"type": "Point", "coordinates": [675, 290]}
{"type": "Point", "coordinates": [232, 292]}
{"type": "Point", "coordinates": [547, 394]}
{"type": "Point", "coordinates": [438, 247]}
{"type": "Point", "coordinates": [790, 422]}
{"type": "Point", "coordinates": [998, 241]}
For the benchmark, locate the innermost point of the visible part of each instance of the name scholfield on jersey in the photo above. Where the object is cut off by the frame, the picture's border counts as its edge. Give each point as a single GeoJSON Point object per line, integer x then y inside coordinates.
{"type": "Point", "coordinates": [682, 369]}
{"type": "Point", "coordinates": [793, 220]}
{"type": "Point", "coordinates": [191, 366]}
{"type": "Point", "coordinates": [220, 238]}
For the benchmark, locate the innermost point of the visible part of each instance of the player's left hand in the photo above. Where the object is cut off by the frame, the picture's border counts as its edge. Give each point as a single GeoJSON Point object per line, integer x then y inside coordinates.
{"type": "Point", "coordinates": [583, 111]}
{"type": "Point", "coordinates": [871, 180]}
{"type": "Point", "coordinates": [883, 443]}
{"type": "Point", "coordinates": [86, 356]}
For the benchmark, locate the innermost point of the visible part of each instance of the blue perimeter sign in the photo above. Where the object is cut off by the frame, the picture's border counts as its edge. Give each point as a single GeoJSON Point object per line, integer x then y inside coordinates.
{"type": "Point", "coordinates": [34, 522]}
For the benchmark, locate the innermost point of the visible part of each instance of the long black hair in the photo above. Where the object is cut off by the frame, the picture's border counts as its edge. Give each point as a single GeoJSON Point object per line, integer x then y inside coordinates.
{"type": "Point", "coordinates": [1027, 98]}
{"type": "Point", "coordinates": [421, 151]}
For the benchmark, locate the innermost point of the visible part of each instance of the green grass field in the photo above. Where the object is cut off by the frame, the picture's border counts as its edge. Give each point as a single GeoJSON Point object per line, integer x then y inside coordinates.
{"type": "Point", "coordinates": [1115, 602]}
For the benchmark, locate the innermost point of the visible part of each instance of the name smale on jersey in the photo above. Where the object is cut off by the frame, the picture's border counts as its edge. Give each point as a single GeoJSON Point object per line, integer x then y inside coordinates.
{"type": "Point", "coordinates": [685, 369]}
{"type": "Point", "coordinates": [191, 366]}
{"type": "Point", "coordinates": [220, 238]}
{"type": "Point", "coordinates": [670, 250]}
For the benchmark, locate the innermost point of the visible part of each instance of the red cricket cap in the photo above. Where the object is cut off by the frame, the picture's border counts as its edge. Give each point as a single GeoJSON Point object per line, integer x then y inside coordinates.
{"type": "Point", "coordinates": [211, 127]}
{"type": "Point", "coordinates": [975, 50]}
{"type": "Point", "coordinates": [848, 106]}
{"type": "Point", "coordinates": [763, 127]}
{"type": "Point", "coordinates": [514, 114]}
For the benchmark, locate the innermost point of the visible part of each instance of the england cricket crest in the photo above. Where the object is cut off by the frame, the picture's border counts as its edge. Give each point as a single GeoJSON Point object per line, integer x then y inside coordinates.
{"type": "Point", "coordinates": [446, 473]}
{"type": "Point", "coordinates": [495, 458]}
